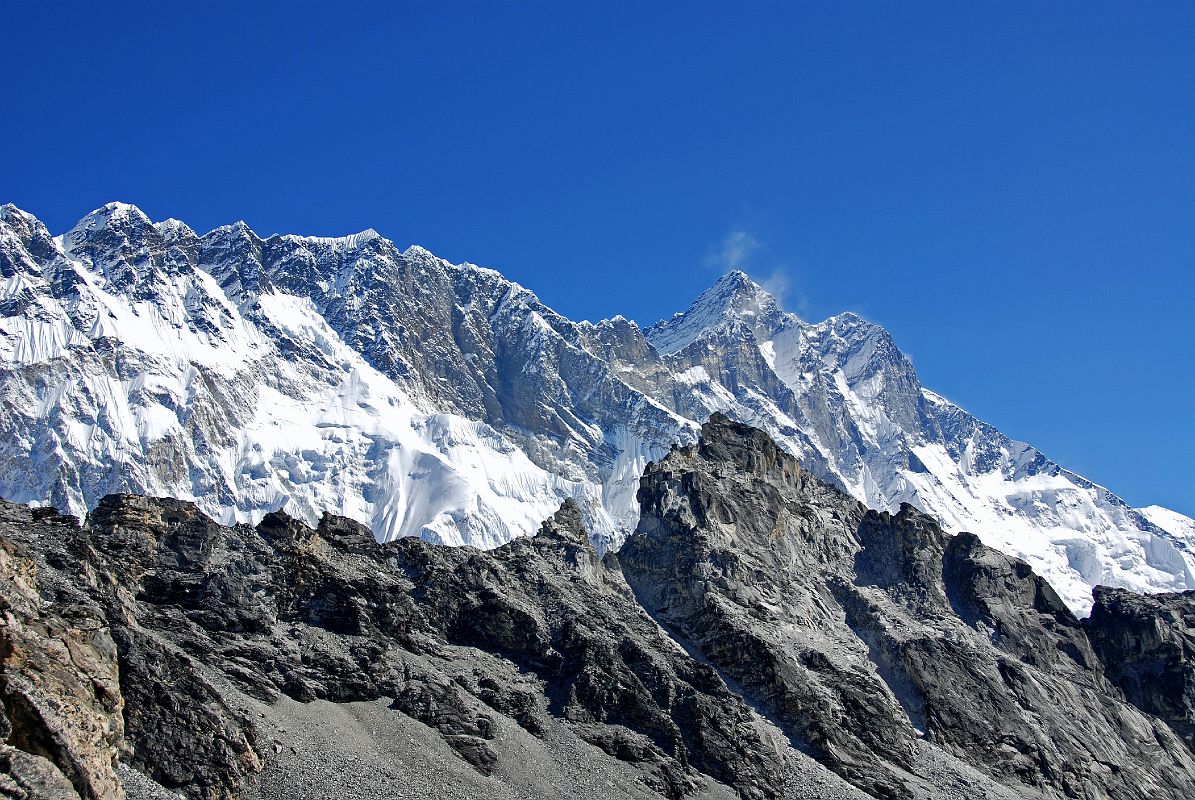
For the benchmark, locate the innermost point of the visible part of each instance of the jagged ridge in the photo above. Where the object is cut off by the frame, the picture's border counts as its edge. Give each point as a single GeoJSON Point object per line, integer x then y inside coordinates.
{"type": "Point", "coordinates": [439, 400]}
{"type": "Point", "coordinates": [911, 663]}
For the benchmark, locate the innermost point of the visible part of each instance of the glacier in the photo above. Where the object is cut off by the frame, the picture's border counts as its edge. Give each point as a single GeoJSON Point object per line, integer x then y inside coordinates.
{"type": "Point", "coordinates": [440, 400]}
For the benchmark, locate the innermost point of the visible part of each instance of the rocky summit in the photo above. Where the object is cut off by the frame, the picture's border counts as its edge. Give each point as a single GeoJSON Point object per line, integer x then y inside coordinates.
{"type": "Point", "coordinates": [761, 634]}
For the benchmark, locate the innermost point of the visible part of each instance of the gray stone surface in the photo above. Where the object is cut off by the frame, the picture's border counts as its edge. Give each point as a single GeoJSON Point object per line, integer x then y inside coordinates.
{"type": "Point", "coordinates": [762, 635]}
{"type": "Point", "coordinates": [61, 728]}
{"type": "Point", "coordinates": [1148, 645]}
{"type": "Point", "coordinates": [468, 648]}
{"type": "Point", "coordinates": [864, 632]}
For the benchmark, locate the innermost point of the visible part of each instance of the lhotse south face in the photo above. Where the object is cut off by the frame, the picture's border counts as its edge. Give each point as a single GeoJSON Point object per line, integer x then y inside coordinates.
{"type": "Point", "coordinates": [429, 399]}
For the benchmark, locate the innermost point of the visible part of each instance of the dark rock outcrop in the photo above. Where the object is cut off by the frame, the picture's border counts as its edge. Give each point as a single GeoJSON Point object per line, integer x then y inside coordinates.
{"type": "Point", "coordinates": [1147, 643]}
{"type": "Point", "coordinates": [868, 635]}
{"type": "Point", "coordinates": [460, 640]}
{"type": "Point", "coordinates": [61, 728]}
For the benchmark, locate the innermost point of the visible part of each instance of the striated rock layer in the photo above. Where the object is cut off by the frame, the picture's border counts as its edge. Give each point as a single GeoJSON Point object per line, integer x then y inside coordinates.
{"type": "Point", "coordinates": [761, 635]}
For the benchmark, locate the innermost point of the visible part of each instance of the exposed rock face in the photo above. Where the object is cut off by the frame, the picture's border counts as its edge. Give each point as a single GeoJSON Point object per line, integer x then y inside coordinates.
{"type": "Point", "coordinates": [60, 718]}
{"type": "Point", "coordinates": [463, 641]}
{"type": "Point", "coordinates": [910, 663]}
{"type": "Point", "coordinates": [1148, 645]}
{"type": "Point", "coordinates": [862, 632]}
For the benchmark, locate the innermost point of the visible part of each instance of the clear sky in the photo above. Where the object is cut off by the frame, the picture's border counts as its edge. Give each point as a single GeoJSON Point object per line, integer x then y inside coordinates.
{"type": "Point", "coordinates": [1008, 187]}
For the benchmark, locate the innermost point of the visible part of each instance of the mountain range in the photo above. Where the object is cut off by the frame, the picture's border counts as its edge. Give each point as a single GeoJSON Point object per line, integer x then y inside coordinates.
{"type": "Point", "coordinates": [761, 635]}
{"type": "Point", "coordinates": [438, 400]}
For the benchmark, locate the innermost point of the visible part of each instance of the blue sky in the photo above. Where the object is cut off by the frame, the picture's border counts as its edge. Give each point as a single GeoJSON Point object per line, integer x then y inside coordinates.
{"type": "Point", "coordinates": [1008, 187]}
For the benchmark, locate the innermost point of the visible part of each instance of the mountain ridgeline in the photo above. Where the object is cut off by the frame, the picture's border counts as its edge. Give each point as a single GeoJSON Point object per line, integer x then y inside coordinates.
{"type": "Point", "coordinates": [760, 635]}
{"type": "Point", "coordinates": [422, 398]}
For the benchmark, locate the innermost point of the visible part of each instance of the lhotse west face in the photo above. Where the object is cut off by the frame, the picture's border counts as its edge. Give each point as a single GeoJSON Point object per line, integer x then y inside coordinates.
{"type": "Point", "coordinates": [419, 397]}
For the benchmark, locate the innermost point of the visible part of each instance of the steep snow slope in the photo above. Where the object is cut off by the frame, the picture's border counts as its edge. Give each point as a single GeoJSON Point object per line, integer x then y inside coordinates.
{"type": "Point", "coordinates": [865, 422]}
{"type": "Point", "coordinates": [442, 400]}
{"type": "Point", "coordinates": [464, 340]}
{"type": "Point", "coordinates": [128, 369]}
{"type": "Point", "coordinates": [1179, 526]}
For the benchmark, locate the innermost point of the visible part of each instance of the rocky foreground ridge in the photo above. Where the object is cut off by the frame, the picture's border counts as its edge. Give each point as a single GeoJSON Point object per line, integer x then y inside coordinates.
{"type": "Point", "coordinates": [760, 635]}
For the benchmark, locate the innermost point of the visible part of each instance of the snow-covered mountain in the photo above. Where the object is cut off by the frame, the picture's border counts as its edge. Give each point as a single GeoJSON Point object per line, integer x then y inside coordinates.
{"type": "Point", "coordinates": [1179, 526]}
{"type": "Point", "coordinates": [440, 400]}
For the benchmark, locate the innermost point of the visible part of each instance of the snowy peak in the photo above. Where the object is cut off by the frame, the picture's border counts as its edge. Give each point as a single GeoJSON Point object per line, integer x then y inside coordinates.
{"type": "Point", "coordinates": [861, 349]}
{"type": "Point", "coordinates": [232, 254]}
{"type": "Point", "coordinates": [735, 298]}
{"type": "Point", "coordinates": [110, 226]}
{"type": "Point", "coordinates": [1177, 525]}
{"type": "Point", "coordinates": [16, 220]}
{"type": "Point", "coordinates": [113, 214]}
{"type": "Point", "coordinates": [176, 231]}
{"type": "Point", "coordinates": [120, 243]}
{"type": "Point", "coordinates": [341, 374]}
{"type": "Point", "coordinates": [238, 229]}
{"type": "Point", "coordinates": [418, 252]}
{"type": "Point", "coordinates": [25, 244]}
